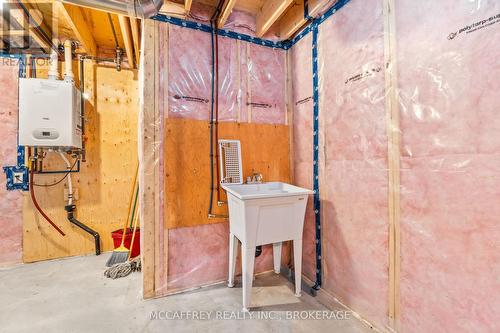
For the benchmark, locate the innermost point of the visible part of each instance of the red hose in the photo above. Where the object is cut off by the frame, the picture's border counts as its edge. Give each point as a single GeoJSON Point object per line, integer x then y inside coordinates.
{"type": "Point", "coordinates": [33, 198]}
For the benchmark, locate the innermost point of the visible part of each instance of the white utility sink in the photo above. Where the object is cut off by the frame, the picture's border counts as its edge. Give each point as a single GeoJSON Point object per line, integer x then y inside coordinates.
{"type": "Point", "coordinates": [259, 214]}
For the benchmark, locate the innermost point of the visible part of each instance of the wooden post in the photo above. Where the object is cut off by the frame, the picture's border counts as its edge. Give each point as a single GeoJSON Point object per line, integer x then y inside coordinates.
{"type": "Point", "coordinates": [149, 177]}
{"type": "Point", "coordinates": [394, 164]}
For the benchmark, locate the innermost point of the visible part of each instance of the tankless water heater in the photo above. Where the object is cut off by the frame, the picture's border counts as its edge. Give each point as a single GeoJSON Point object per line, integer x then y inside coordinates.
{"type": "Point", "coordinates": [49, 114]}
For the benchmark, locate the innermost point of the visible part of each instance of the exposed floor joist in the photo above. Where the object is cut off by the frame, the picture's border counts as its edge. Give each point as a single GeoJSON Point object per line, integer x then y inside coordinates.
{"type": "Point", "coordinates": [75, 18]}
{"type": "Point", "coordinates": [269, 14]}
{"type": "Point", "coordinates": [187, 5]}
{"type": "Point", "coordinates": [294, 19]}
{"type": "Point", "coordinates": [18, 14]}
{"type": "Point", "coordinates": [136, 38]}
{"type": "Point", "coordinates": [127, 39]}
{"type": "Point", "coordinates": [227, 8]}
{"type": "Point", "coordinates": [173, 9]}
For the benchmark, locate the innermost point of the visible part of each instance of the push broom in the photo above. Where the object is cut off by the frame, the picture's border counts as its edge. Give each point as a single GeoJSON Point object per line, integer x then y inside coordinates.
{"type": "Point", "coordinates": [120, 254]}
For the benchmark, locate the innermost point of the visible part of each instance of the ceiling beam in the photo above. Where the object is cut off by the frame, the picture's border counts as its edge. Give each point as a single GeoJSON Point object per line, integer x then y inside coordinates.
{"type": "Point", "coordinates": [12, 33]}
{"type": "Point", "coordinates": [75, 19]}
{"type": "Point", "coordinates": [18, 14]}
{"type": "Point", "coordinates": [127, 39]}
{"type": "Point", "coordinates": [227, 8]}
{"type": "Point", "coordinates": [136, 37]}
{"type": "Point", "coordinates": [294, 19]}
{"type": "Point", "coordinates": [269, 13]}
{"type": "Point", "coordinates": [187, 6]}
{"type": "Point", "coordinates": [174, 9]}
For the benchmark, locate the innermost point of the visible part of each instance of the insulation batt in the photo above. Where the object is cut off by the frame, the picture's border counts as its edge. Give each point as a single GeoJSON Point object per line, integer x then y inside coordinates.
{"type": "Point", "coordinates": [254, 92]}
{"type": "Point", "coordinates": [10, 201]}
{"type": "Point", "coordinates": [450, 178]}
{"type": "Point", "coordinates": [353, 163]}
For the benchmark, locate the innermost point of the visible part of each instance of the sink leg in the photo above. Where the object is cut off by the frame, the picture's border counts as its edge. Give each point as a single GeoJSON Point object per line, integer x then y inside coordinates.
{"type": "Point", "coordinates": [297, 262]}
{"type": "Point", "coordinates": [277, 257]}
{"type": "Point", "coordinates": [248, 258]}
{"type": "Point", "coordinates": [233, 253]}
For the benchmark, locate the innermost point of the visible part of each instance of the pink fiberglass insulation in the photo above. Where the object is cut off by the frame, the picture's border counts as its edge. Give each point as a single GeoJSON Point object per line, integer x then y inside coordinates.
{"type": "Point", "coordinates": [303, 144]}
{"type": "Point", "coordinates": [199, 256]}
{"type": "Point", "coordinates": [189, 73]}
{"type": "Point", "coordinates": [267, 83]}
{"type": "Point", "coordinates": [448, 63]}
{"type": "Point", "coordinates": [251, 78]}
{"type": "Point", "coordinates": [11, 221]}
{"type": "Point", "coordinates": [353, 165]}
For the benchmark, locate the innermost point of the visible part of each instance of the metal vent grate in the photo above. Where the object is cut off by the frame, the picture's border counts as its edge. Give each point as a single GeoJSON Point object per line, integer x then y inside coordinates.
{"type": "Point", "coordinates": [230, 162]}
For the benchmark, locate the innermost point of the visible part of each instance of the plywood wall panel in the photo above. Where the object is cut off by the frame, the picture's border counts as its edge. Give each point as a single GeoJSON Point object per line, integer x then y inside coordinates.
{"type": "Point", "coordinates": [265, 149]}
{"type": "Point", "coordinates": [104, 183]}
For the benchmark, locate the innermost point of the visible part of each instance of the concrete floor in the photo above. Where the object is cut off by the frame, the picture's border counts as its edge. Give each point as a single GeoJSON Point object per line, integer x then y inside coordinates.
{"type": "Point", "coordinates": [71, 295]}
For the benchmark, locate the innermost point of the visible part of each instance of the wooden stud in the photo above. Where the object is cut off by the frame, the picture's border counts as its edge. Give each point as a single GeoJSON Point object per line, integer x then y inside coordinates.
{"type": "Point", "coordinates": [148, 166]}
{"type": "Point", "coordinates": [269, 14]}
{"type": "Point", "coordinates": [394, 163]}
{"type": "Point", "coordinates": [76, 20]}
{"type": "Point", "coordinates": [290, 105]}
{"type": "Point", "coordinates": [249, 86]}
{"type": "Point", "coordinates": [227, 8]}
{"type": "Point", "coordinates": [238, 57]}
{"type": "Point", "coordinates": [127, 39]}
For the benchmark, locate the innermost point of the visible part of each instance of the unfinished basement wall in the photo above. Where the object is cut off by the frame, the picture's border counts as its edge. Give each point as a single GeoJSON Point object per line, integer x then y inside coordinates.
{"type": "Point", "coordinates": [104, 183]}
{"type": "Point", "coordinates": [441, 275]}
{"type": "Point", "coordinates": [11, 202]}
{"type": "Point", "coordinates": [449, 68]}
{"type": "Point", "coordinates": [252, 109]}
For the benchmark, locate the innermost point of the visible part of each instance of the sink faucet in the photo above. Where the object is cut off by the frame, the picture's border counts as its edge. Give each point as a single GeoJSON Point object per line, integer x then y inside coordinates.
{"type": "Point", "coordinates": [255, 179]}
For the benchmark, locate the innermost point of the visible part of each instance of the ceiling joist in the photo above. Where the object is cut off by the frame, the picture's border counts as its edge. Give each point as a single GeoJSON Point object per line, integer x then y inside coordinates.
{"type": "Point", "coordinates": [173, 9]}
{"type": "Point", "coordinates": [269, 14]}
{"type": "Point", "coordinates": [136, 37]}
{"type": "Point", "coordinates": [294, 18]}
{"type": "Point", "coordinates": [22, 19]}
{"type": "Point", "coordinates": [227, 8]}
{"type": "Point", "coordinates": [187, 6]}
{"type": "Point", "coordinates": [75, 19]}
{"type": "Point", "coordinates": [127, 39]}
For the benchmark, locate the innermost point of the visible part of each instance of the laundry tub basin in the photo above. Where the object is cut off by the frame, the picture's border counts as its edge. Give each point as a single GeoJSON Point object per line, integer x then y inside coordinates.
{"type": "Point", "coordinates": [267, 213]}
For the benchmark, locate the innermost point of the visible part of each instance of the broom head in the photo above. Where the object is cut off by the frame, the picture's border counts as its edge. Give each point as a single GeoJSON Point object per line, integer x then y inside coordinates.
{"type": "Point", "coordinates": [119, 255]}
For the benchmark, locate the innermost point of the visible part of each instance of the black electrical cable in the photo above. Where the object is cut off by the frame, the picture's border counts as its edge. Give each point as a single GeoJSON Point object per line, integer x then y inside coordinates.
{"type": "Point", "coordinates": [213, 25]}
{"type": "Point", "coordinates": [60, 180]}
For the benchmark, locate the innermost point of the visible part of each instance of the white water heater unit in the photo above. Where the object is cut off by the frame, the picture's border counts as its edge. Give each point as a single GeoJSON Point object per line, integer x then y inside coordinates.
{"type": "Point", "coordinates": [49, 114]}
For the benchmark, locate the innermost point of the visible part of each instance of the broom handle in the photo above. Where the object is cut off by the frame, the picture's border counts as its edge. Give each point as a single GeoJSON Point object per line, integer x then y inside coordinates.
{"type": "Point", "coordinates": [136, 219]}
{"type": "Point", "coordinates": [132, 195]}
